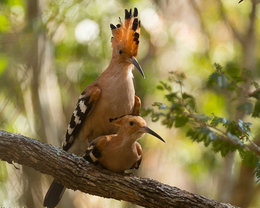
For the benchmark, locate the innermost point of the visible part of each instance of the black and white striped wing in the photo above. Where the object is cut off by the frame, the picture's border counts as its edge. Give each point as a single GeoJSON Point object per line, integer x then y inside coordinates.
{"type": "Point", "coordinates": [85, 105]}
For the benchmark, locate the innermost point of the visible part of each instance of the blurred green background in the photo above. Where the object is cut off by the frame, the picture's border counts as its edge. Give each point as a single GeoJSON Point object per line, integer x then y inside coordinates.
{"type": "Point", "coordinates": [51, 49]}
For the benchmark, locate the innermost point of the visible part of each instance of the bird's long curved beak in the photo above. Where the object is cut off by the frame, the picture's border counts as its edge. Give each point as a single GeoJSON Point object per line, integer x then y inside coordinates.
{"type": "Point", "coordinates": [134, 61]}
{"type": "Point", "coordinates": [150, 131]}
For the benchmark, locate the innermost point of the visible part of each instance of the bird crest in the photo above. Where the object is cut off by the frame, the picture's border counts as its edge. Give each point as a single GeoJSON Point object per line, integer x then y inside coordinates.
{"type": "Point", "coordinates": [126, 35]}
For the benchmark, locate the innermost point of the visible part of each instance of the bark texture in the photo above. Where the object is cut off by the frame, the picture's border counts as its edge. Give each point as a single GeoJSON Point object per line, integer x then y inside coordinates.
{"type": "Point", "coordinates": [75, 173]}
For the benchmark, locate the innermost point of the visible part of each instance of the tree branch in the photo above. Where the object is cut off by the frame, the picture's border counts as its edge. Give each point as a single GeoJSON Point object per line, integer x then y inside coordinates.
{"type": "Point", "coordinates": [77, 174]}
{"type": "Point", "coordinates": [253, 147]}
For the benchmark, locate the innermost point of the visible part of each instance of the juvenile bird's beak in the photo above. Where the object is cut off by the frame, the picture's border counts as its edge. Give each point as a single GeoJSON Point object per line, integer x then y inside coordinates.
{"type": "Point", "coordinates": [134, 61]}
{"type": "Point", "coordinates": [150, 131]}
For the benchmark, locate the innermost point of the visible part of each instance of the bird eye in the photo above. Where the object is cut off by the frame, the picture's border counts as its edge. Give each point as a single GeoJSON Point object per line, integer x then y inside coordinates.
{"type": "Point", "coordinates": [120, 52]}
{"type": "Point", "coordinates": [131, 123]}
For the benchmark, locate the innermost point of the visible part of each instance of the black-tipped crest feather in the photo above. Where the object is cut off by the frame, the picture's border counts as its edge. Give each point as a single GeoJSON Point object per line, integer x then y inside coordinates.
{"type": "Point", "coordinates": [135, 24]}
{"type": "Point", "coordinates": [127, 14]}
{"type": "Point", "coordinates": [136, 35]}
{"type": "Point", "coordinates": [112, 26]}
{"type": "Point", "coordinates": [135, 12]}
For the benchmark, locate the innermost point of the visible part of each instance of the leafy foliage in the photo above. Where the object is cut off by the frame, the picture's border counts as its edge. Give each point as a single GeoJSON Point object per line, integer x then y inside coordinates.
{"type": "Point", "coordinates": [230, 81]}
{"type": "Point", "coordinates": [223, 135]}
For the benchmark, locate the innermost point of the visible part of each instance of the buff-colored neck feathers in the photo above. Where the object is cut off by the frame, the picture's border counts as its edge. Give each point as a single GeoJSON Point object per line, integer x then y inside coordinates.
{"type": "Point", "coordinates": [126, 35]}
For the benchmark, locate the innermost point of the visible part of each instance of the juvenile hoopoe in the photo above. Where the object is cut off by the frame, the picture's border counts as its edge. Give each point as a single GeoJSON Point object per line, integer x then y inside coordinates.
{"type": "Point", "coordinates": [121, 151]}
{"type": "Point", "coordinates": [111, 95]}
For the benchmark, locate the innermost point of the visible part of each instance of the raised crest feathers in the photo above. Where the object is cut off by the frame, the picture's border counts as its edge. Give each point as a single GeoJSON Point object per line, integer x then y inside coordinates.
{"type": "Point", "coordinates": [127, 34]}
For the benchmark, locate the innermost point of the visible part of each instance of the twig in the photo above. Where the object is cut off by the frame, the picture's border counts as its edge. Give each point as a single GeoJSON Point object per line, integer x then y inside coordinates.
{"type": "Point", "coordinates": [225, 137]}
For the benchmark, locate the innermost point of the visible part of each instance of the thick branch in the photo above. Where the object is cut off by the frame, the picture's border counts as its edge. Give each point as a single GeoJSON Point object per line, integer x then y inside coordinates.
{"type": "Point", "coordinates": [75, 173]}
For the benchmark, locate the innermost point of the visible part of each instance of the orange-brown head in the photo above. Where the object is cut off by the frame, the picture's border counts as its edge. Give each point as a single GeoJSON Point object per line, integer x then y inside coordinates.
{"type": "Point", "coordinates": [125, 40]}
{"type": "Point", "coordinates": [133, 127]}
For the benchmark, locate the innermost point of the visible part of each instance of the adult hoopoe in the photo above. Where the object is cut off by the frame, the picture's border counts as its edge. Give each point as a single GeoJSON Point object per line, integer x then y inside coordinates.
{"type": "Point", "coordinates": [121, 151]}
{"type": "Point", "coordinates": [111, 95]}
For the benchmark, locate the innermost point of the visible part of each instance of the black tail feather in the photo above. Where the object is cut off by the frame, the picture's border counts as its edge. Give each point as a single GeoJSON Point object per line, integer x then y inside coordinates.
{"type": "Point", "coordinates": [53, 195]}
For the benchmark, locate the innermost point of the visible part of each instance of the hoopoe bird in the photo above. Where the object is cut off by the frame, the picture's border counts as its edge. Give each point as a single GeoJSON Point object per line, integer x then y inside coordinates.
{"type": "Point", "coordinates": [111, 95]}
{"type": "Point", "coordinates": [121, 151]}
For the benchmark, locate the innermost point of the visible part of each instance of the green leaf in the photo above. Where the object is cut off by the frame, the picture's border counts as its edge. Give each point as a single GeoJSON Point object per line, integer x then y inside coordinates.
{"type": "Point", "coordinates": [172, 97]}
{"type": "Point", "coordinates": [233, 70]}
{"type": "Point", "coordinates": [155, 117]}
{"type": "Point", "coordinates": [176, 109]}
{"type": "Point", "coordinates": [217, 79]}
{"type": "Point", "coordinates": [146, 111]}
{"type": "Point", "coordinates": [190, 133]}
{"type": "Point", "coordinates": [244, 126]}
{"type": "Point", "coordinates": [180, 121]}
{"type": "Point", "coordinates": [207, 136]}
{"type": "Point", "coordinates": [159, 87]}
{"type": "Point", "coordinates": [185, 96]}
{"type": "Point", "coordinates": [233, 128]}
{"type": "Point", "coordinates": [217, 67]}
{"type": "Point", "coordinates": [160, 105]}
{"type": "Point", "coordinates": [166, 86]}
{"type": "Point", "coordinates": [218, 120]}
{"type": "Point", "coordinates": [168, 121]}
{"type": "Point", "coordinates": [193, 134]}
{"type": "Point", "coordinates": [189, 101]}
{"type": "Point", "coordinates": [223, 147]}
{"type": "Point", "coordinates": [248, 157]}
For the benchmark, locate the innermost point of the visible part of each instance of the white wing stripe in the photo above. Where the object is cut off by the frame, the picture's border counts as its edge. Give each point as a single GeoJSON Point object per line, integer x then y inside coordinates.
{"type": "Point", "coordinates": [82, 106]}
